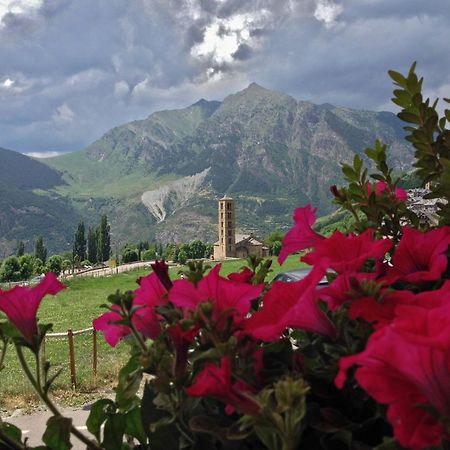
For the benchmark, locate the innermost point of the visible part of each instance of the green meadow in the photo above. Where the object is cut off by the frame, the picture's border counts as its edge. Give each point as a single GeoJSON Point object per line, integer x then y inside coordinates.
{"type": "Point", "coordinates": [75, 308]}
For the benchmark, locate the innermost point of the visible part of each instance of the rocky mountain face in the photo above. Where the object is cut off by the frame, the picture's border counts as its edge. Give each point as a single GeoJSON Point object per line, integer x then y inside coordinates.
{"type": "Point", "coordinates": [161, 177]}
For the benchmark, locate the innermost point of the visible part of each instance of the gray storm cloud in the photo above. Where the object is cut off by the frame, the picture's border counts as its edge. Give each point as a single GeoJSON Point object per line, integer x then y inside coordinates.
{"type": "Point", "coordinates": [72, 69]}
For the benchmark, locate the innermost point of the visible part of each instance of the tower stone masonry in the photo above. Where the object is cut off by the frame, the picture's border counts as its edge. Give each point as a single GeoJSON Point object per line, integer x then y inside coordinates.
{"type": "Point", "coordinates": [230, 244]}
{"type": "Point", "coordinates": [227, 228]}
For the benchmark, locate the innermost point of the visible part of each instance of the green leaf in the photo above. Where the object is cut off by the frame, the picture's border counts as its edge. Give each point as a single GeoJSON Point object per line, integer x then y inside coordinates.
{"type": "Point", "coordinates": [99, 413]}
{"type": "Point", "coordinates": [409, 117]}
{"type": "Point", "coordinates": [357, 164]}
{"type": "Point", "coordinates": [349, 173]}
{"type": "Point", "coordinates": [57, 433]}
{"type": "Point", "coordinates": [397, 77]}
{"type": "Point", "coordinates": [134, 425]}
{"type": "Point", "coordinates": [11, 431]}
{"type": "Point", "coordinates": [130, 377]}
{"type": "Point", "coordinates": [113, 432]}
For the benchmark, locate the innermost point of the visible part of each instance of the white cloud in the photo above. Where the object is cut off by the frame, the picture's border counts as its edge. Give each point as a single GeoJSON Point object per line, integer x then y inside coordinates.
{"type": "Point", "coordinates": [7, 83]}
{"type": "Point", "coordinates": [63, 114]}
{"type": "Point", "coordinates": [18, 7]}
{"type": "Point", "coordinates": [43, 155]}
{"type": "Point", "coordinates": [327, 12]}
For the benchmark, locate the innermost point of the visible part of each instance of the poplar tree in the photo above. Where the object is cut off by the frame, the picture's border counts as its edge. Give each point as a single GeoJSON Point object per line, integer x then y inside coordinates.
{"type": "Point", "coordinates": [92, 242]}
{"type": "Point", "coordinates": [20, 249]}
{"type": "Point", "coordinates": [40, 251]}
{"type": "Point", "coordinates": [79, 243]}
{"type": "Point", "coordinates": [104, 240]}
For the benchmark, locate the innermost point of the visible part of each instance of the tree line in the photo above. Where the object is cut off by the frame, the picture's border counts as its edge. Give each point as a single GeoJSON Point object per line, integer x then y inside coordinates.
{"type": "Point", "coordinates": [94, 248]}
{"type": "Point", "coordinates": [22, 266]}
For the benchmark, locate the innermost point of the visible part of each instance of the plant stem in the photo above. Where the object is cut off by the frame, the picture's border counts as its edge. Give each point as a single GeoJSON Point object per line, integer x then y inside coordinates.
{"type": "Point", "coordinates": [45, 398]}
{"type": "Point", "coordinates": [3, 354]}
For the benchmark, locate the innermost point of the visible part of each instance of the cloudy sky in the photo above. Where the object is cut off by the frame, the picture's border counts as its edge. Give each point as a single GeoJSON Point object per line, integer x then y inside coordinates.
{"type": "Point", "coordinates": [72, 69]}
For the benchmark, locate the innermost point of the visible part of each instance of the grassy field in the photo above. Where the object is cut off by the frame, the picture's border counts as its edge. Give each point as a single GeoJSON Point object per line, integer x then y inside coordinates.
{"type": "Point", "coordinates": [75, 308]}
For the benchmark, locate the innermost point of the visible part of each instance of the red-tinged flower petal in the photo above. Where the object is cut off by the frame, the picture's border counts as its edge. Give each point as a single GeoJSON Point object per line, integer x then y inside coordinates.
{"type": "Point", "coordinates": [161, 269]}
{"type": "Point", "coordinates": [348, 253]}
{"type": "Point", "coordinates": [20, 304]}
{"type": "Point", "coordinates": [379, 313]}
{"type": "Point", "coordinates": [224, 294]}
{"type": "Point", "coordinates": [244, 276]}
{"type": "Point", "coordinates": [381, 186]}
{"type": "Point", "coordinates": [420, 256]}
{"type": "Point", "coordinates": [150, 294]}
{"type": "Point", "coordinates": [112, 331]}
{"type": "Point", "coordinates": [401, 194]}
{"type": "Point", "coordinates": [181, 340]}
{"type": "Point", "coordinates": [407, 376]}
{"type": "Point", "coordinates": [290, 305]}
{"type": "Point", "coordinates": [424, 326]}
{"type": "Point", "coordinates": [301, 235]}
{"type": "Point", "coordinates": [338, 292]}
{"type": "Point", "coordinates": [215, 382]}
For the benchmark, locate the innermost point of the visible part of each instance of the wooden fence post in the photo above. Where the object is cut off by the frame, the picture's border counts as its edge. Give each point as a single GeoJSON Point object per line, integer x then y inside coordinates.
{"type": "Point", "coordinates": [94, 351]}
{"type": "Point", "coordinates": [73, 378]}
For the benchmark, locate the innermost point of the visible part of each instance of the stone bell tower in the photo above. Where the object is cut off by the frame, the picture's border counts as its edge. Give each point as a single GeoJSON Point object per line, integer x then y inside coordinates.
{"type": "Point", "coordinates": [227, 224]}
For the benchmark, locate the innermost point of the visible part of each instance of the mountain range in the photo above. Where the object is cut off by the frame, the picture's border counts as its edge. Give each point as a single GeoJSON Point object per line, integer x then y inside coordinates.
{"type": "Point", "coordinates": [160, 178]}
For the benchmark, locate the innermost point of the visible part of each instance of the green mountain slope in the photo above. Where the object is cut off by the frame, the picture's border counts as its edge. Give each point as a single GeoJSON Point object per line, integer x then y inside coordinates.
{"type": "Point", "coordinates": [161, 177]}
{"type": "Point", "coordinates": [28, 209]}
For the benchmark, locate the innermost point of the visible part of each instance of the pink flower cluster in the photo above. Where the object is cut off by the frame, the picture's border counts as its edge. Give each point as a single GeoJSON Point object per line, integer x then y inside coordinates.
{"type": "Point", "coordinates": [406, 362]}
{"type": "Point", "coordinates": [21, 304]}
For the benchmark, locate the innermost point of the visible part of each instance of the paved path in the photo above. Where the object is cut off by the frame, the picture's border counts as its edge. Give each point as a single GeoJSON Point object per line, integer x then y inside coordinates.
{"type": "Point", "coordinates": [33, 425]}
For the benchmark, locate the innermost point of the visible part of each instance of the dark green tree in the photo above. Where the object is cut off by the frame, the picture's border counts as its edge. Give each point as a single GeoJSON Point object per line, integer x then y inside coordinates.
{"type": "Point", "coordinates": [197, 249]}
{"type": "Point", "coordinates": [79, 242]}
{"type": "Point", "coordinates": [182, 257]}
{"type": "Point", "coordinates": [40, 252]}
{"type": "Point", "coordinates": [92, 244]}
{"type": "Point", "coordinates": [129, 255]}
{"type": "Point", "coordinates": [38, 266]}
{"type": "Point", "coordinates": [20, 249]}
{"type": "Point", "coordinates": [10, 270]}
{"type": "Point", "coordinates": [104, 240]}
{"type": "Point", "coordinates": [26, 266]}
{"type": "Point", "coordinates": [149, 255]}
{"type": "Point", "coordinates": [54, 264]}
{"type": "Point", "coordinates": [275, 248]}
{"type": "Point", "coordinates": [273, 241]}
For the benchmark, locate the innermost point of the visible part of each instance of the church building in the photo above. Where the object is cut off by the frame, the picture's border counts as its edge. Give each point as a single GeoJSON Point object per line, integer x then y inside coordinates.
{"type": "Point", "coordinates": [230, 244]}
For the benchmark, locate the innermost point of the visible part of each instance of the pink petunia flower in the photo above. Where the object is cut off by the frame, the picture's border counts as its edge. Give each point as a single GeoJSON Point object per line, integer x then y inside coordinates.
{"type": "Point", "coordinates": [420, 256]}
{"type": "Point", "coordinates": [346, 289]}
{"type": "Point", "coordinates": [225, 295]}
{"type": "Point", "coordinates": [406, 366]}
{"type": "Point", "coordinates": [301, 236]}
{"type": "Point", "coordinates": [108, 324]}
{"type": "Point", "coordinates": [244, 276]}
{"type": "Point", "coordinates": [181, 340]}
{"type": "Point", "coordinates": [215, 382]}
{"type": "Point", "coordinates": [150, 294]}
{"type": "Point", "coordinates": [20, 304]}
{"type": "Point", "coordinates": [291, 305]}
{"type": "Point", "coordinates": [348, 253]}
{"type": "Point", "coordinates": [380, 187]}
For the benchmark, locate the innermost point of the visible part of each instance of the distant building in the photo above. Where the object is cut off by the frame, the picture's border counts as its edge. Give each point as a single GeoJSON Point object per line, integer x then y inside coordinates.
{"type": "Point", "coordinates": [230, 244]}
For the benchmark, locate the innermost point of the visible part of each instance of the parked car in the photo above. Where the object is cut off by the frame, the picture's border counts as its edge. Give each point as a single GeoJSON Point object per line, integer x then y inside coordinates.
{"type": "Point", "coordinates": [297, 275]}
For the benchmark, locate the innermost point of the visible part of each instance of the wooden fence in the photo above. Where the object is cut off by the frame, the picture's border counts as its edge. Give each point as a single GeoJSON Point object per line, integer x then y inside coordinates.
{"type": "Point", "coordinates": [70, 334]}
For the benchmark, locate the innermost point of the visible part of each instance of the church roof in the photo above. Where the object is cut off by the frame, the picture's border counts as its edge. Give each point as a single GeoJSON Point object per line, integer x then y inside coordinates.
{"type": "Point", "coordinates": [244, 238]}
